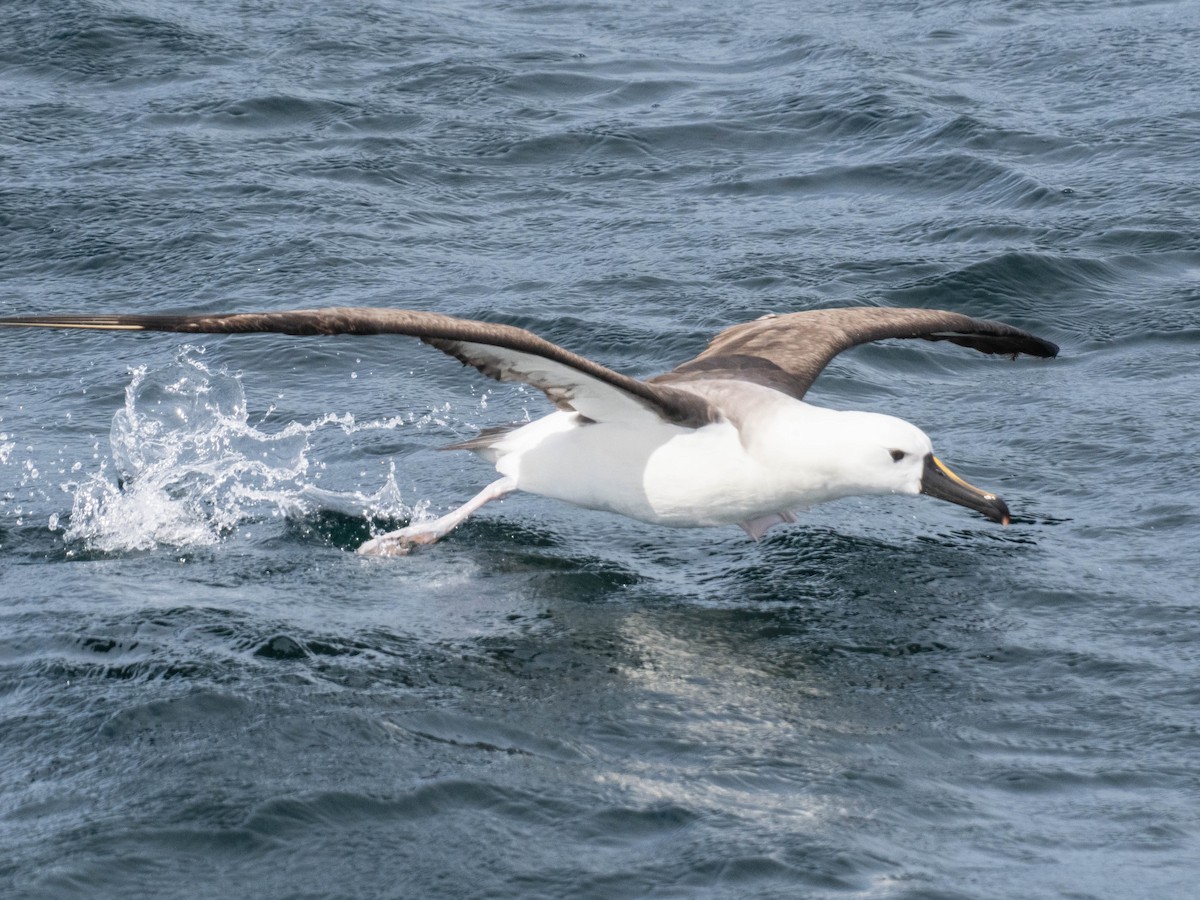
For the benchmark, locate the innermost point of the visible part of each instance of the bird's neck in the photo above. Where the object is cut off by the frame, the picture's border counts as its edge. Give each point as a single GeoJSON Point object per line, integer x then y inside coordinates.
{"type": "Point", "coordinates": [820, 453]}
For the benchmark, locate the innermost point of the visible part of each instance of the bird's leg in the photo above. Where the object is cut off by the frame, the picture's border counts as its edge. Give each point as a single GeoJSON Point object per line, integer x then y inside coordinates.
{"type": "Point", "coordinates": [404, 540]}
{"type": "Point", "coordinates": [756, 528]}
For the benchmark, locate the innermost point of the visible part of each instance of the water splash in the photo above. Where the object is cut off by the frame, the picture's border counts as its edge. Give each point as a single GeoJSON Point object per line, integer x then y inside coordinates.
{"type": "Point", "coordinates": [187, 467]}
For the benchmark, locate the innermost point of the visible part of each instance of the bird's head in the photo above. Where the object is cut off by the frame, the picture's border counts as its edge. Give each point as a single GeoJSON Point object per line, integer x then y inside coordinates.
{"type": "Point", "coordinates": [880, 454]}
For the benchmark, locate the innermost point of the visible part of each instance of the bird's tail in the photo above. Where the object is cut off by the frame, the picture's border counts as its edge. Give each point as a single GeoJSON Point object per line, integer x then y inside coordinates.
{"type": "Point", "coordinates": [486, 438]}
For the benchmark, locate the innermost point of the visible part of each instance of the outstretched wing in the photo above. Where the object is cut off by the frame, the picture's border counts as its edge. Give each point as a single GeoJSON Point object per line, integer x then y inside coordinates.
{"type": "Point", "coordinates": [787, 352]}
{"type": "Point", "coordinates": [502, 352]}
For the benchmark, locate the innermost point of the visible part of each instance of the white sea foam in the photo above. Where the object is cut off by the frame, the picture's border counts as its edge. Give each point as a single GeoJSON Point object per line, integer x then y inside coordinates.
{"type": "Point", "coordinates": [186, 467]}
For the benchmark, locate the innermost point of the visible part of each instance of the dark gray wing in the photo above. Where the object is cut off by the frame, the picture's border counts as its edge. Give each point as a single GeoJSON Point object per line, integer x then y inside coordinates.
{"type": "Point", "coordinates": [787, 352]}
{"type": "Point", "coordinates": [502, 352]}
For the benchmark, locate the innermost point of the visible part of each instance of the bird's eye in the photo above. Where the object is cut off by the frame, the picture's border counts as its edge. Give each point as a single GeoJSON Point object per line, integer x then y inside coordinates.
{"type": "Point", "coordinates": [897, 455]}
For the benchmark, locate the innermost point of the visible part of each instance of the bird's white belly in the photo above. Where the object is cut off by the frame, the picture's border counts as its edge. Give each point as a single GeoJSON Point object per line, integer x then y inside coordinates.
{"type": "Point", "coordinates": [647, 470]}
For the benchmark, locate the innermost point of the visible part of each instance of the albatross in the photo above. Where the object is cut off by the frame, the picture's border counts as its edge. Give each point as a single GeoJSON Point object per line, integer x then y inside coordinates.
{"type": "Point", "coordinates": [724, 438]}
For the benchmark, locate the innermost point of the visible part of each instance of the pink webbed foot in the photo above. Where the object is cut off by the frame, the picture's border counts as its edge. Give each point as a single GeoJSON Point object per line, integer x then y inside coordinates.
{"type": "Point", "coordinates": [756, 528]}
{"type": "Point", "coordinates": [404, 541]}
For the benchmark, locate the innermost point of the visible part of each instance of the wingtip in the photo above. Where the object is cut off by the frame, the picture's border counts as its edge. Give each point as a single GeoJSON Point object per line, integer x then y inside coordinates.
{"type": "Point", "coordinates": [1044, 349]}
{"type": "Point", "coordinates": [93, 323]}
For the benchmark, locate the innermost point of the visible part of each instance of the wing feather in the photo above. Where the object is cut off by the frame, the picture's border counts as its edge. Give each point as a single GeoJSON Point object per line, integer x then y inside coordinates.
{"type": "Point", "coordinates": [503, 352]}
{"type": "Point", "coordinates": [787, 352]}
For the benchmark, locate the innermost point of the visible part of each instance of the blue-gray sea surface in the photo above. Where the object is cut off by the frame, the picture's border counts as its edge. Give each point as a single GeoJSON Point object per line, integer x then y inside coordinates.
{"type": "Point", "coordinates": [205, 693]}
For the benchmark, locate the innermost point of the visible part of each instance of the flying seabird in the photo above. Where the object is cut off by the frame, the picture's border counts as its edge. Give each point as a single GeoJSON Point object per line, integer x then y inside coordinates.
{"type": "Point", "coordinates": [724, 438]}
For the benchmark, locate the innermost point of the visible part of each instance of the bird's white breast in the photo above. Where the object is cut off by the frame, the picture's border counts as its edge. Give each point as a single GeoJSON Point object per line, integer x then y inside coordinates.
{"type": "Point", "coordinates": [652, 471]}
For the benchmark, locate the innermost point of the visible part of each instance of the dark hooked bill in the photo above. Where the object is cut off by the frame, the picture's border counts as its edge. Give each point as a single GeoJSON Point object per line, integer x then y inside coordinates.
{"type": "Point", "coordinates": [938, 481]}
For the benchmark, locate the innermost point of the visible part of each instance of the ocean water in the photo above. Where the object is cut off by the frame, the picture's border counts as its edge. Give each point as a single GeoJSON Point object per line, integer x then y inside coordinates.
{"type": "Point", "coordinates": [205, 693]}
